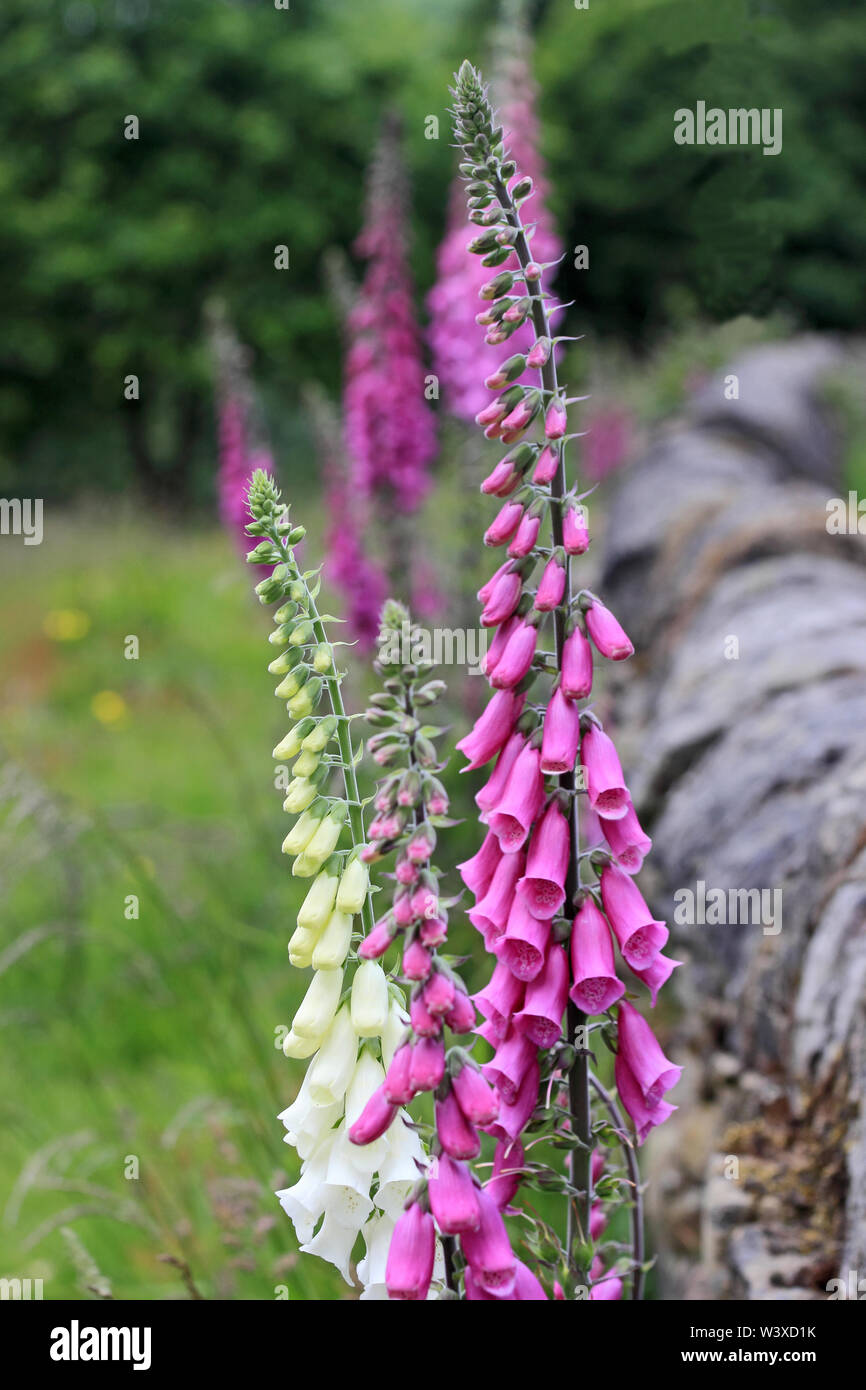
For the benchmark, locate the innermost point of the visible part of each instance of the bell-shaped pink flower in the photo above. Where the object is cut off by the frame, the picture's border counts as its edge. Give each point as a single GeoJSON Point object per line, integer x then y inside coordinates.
{"type": "Point", "coordinates": [503, 600]}
{"type": "Point", "coordinates": [551, 586]}
{"type": "Point", "coordinates": [540, 1019]}
{"type": "Point", "coordinates": [593, 969]}
{"type": "Point", "coordinates": [478, 871]}
{"type": "Point", "coordinates": [576, 681]}
{"type": "Point", "coordinates": [488, 1250]}
{"type": "Point", "coordinates": [490, 914]}
{"type": "Point", "coordinates": [416, 961]}
{"type": "Point", "coordinates": [561, 738]}
{"type": "Point", "coordinates": [433, 931]}
{"type": "Point", "coordinates": [606, 633]}
{"type": "Point", "coordinates": [628, 842]}
{"type": "Point", "coordinates": [524, 945]}
{"type": "Point", "coordinates": [521, 801]}
{"type": "Point", "coordinates": [492, 730]}
{"type": "Point", "coordinates": [508, 1067]}
{"type": "Point", "coordinates": [402, 910]}
{"type": "Point", "coordinates": [491, 793]}
{"type": "Point", "coordinates": [507, 1172]}
{"type": "Point", "coordinates": [453, 1196]}
{"type": "Point", "coordinates": [377, 942]}
{"type": "Point", "coordinates": [639, 935]}
{"type": "Point", "coordinates": [478, 1101]}
{"type": "Point", "coordinates": [405, 871]}
{"type": "Point", "coordinates": [539, 353]}
{"type": "Point", "coordinates": [607, 1290]}
{"type": "Point", "coordinates": [543, 884]}
{"type": "Point", "coordinates": [516, 660]}
{"type": "Point", "coordinates": [504, 524]}
{"type": "Point", "coordinates": [641, 1054]}
{"type": "Point", "coordinates": [425, 901]}
{"type": "Point", "coordinates": [525, 536]}
{"type": "Point", "coordinates": [397, 1086]}
{"type": "Point", "coordinates": [556, 419]}
{"type": "Point", "coordinates": [575, 536]}
{"type": "Point", "coordinates": [438, 993]}
{"type": "Point", "coordinates": [374, 1119]}
{"type": "Point", "coordinates": [411, 1254]}
{"type": "Point", "coordinates": [605, 783]}
{"type": "Point", "coordinates": [425, 1024]}
{"type": "Point", "coordinates": [631, 1098]}
{"type": "Point", "coordinates": [457, 1136]}
{"type": "Point", "coordinates": [546, 466]}
{"type": "Point", "coordinates": [515, 1115]}
{"type": "Point", "coordinates": [491, 658]}
{"type": "Point", "coordinates": [657, 974]}
{"type": "Point", "coordinates": [487, 588]}
{"type": "Point", "coordinates": [461, 1016]}
{"type": "Point", "coordinates": [427, 1065]}
{"type": "Point", "coordinates": [526, 1288]}
{"type": "Point", "coordinates": [421, 844]}
{"type": "Point", "coordinates": [499, 999]}
{"type": "Point", "coordinates": [501, 480]}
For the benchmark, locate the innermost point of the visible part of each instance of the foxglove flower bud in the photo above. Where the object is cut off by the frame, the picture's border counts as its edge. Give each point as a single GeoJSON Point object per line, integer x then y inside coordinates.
{"type": "Point", "coordinates": [453, 1196]}
{"type": "Point", "coordinates": [411, 1256]}
{"type": "Point", "coordinates": [427, 1064]}
{"type": "Point", "coordinates": [575, 536]}
{"type": "Point", "coordinates": [457, 1136]}
{"type": "Point", "coordinates": [552, 585]}
{"type": "Point", "coordinates": [606, 633]}
{"type": "Point", "coordinates": [476, 1098]}
{"type": "Point", "coordinates": [369, 1000]}
{"type": "Point", "coordinates": [374, 1119]}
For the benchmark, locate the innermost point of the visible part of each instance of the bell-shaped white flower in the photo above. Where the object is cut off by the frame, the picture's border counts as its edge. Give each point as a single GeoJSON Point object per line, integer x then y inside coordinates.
{"type": "Point", "coordinates": [369, 999]}
{"type": "Point", "coordinates": [316, 1010]}
{"type": "Point", "coordinates": [354, 883]}
{"type": "Point", "coordinates": [394, 1031]}
{"type": "Point", "coordinates": [344, 1170]}
{"type": "Point", "coordinates": [332, 947]}
{"type": "Point", "coordinates": [398, 1172]}
{"type": "Point", "coordinates": [300, 794]}
{"type": "Point", "coordinates": [331, 1069]}
{"type": "Point", "coordinates": [368, 1077]}
{"type": "Point", "coordinates": [293, 1046]}
{"type": "Point", "coordinates": [371, 1269]}
{"type": "Point", "coordinates": [320, 845]}
{"type": "Point", "coordinates": [307, 1124]}
{"type": "Point", "coordinates": [306, 1200]}
{"type": "Point", "coordinates": [302, 944]}
{"type": "Point", "coordinates": [301, 832]}
{"type": "Point", "coordinates": [333, 1242]}
{"type": "Point", "coordinates": [319, 902]}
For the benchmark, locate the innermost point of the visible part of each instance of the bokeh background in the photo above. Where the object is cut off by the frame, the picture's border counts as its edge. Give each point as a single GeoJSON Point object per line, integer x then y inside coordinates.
{"type": "Point", "coordinates": [141, 1079]}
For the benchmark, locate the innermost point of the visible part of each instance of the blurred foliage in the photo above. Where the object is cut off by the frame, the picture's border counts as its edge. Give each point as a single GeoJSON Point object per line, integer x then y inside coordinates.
{"type": "Point", "coordinates": [255, 126]}
{"type": "Point", "coordinates": [743, 232]}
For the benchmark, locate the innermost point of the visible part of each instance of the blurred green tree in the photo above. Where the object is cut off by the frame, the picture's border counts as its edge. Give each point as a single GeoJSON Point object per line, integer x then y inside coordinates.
{"type": "Point", "coordinates": [155, 152]}
{"type": "Point", "coordinates": [741, 231]}
{"type": "Point", "coordinates": [254, 125]}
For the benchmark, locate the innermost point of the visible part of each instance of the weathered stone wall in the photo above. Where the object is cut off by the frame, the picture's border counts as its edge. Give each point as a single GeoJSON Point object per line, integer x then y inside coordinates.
{"type": "Point", "coordinates": [750, 773]}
